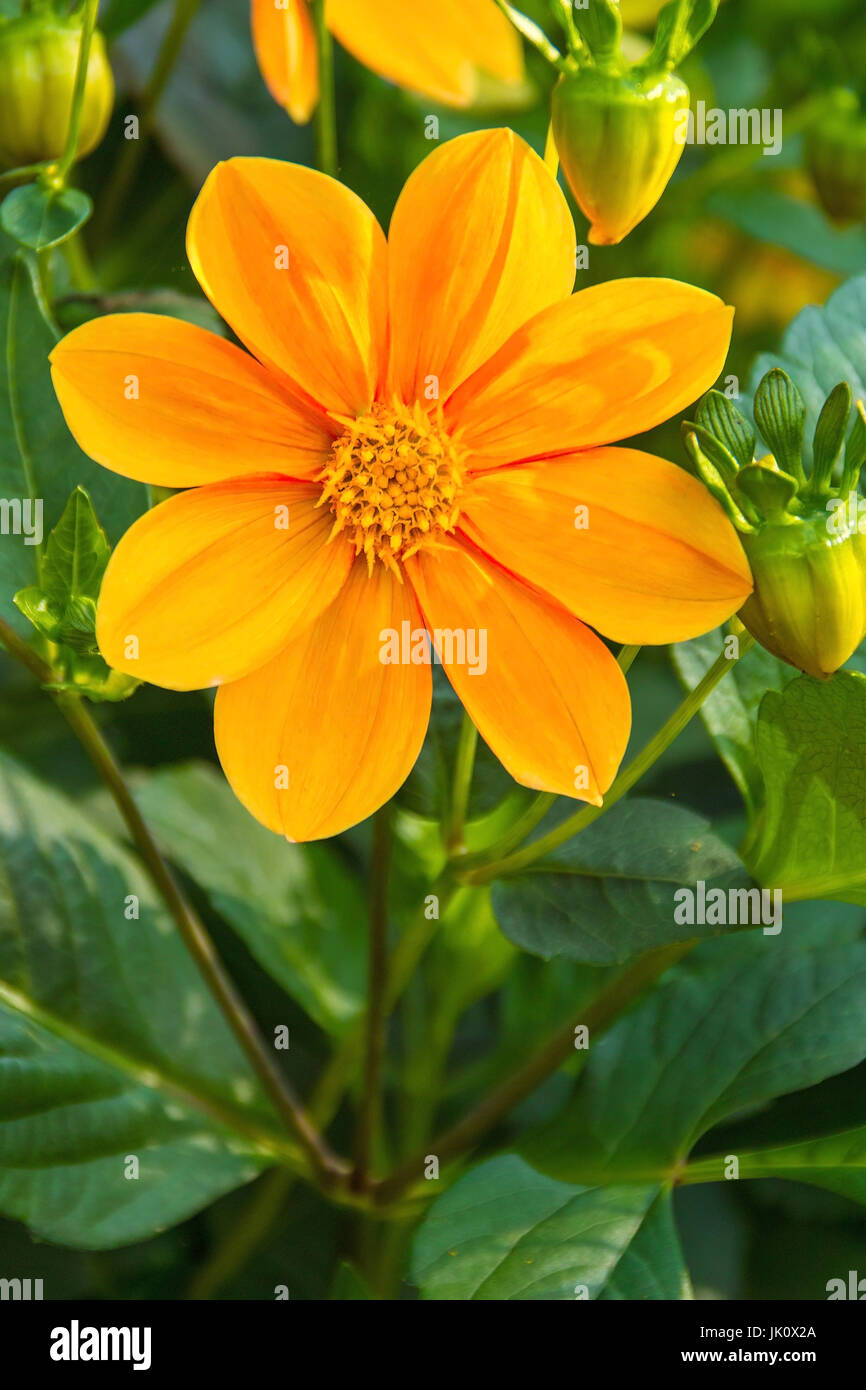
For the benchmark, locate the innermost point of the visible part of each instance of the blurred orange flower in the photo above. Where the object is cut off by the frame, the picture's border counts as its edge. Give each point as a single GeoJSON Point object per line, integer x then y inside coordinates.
{"type": "Point", "coordinates": [439, 48]}
{"type": "Point", "coordinates": [418, 440]}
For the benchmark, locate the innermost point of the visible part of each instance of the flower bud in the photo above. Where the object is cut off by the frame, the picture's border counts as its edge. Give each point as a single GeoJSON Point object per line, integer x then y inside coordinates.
{"type": "Point", "coordinates": [38, 61]}
{"type": "Point", "coordinates": [804, 533]}
{"type": "Point", "coordinates": [809, 602]}
{"type": "Point", "coordinates": [619, 139]}
{"type": "Point", "coordinates": [836, 157]}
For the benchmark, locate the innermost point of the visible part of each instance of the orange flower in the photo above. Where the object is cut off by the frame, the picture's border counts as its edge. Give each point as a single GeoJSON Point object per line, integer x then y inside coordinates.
{"type": "Point", "coordinates": [434, 417]}
{"type": "Point", "coordinates": [443, 49]}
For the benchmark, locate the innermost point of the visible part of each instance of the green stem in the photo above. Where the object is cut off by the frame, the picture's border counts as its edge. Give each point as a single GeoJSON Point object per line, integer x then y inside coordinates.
{"type": "Point", "coordinates": [67, 159]}
{"type": "Point", "coordinates": [374, 1053]}
{"type": "Point", "coordinates": [326, 110]}
{"type": "Point", "coordinates": [538, 807]}
{"type": "Point", "coordinates": [256, 1223]}
{"type": "Point", "coordinates": [129, 162]}
{"type": "Point", "coordinates": [658, 744]}
{"type": "Point", "coordinates": [335, 1079]}
{"type": "Point", "coordinates": [192, 930]}
{"type": "Point", "coordinates": [495, 1107]}
{"type": "Point", "coordinates": [464, 764]}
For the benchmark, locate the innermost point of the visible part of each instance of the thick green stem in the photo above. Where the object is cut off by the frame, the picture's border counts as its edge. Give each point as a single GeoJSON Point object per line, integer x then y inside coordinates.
{"type": "Point", "coordinates": [192, 930]}
{"type": "Point", "coordinates": [495, 1107]}
{"type": "Point", "coordinates": [326, 110]}
{"type": "Point", "coordinates": [650, 754]}
{"type": "Point", "coordinates": [67, 159]}
{"type": "Point", "coordinates": [464, 764]}
{"type": "Point", "coordinates": [369, 1114]}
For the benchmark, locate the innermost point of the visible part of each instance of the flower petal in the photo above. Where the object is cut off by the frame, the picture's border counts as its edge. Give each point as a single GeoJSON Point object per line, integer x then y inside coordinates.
{"type": "Point", "coordinates": [169, 403]}
{"type": "Point", "coordinates": [286, 50]}
{"type": "Point", "coordinates": [435, 47]}
{"type": "Point", "coordinates": [296, 264]}
{"type": "Point", "coordinates": [653, 558]}
{"type": "Point", "coordinates": [211, 583]}
{"type": "Point", "coordinates": [607, 364]}
{"type": "Point", "coordinates": [327, 717]}
{"type": "Point", "coordinates": [481, 239]}
{"type": "Point", "coordinates": [550, 700]}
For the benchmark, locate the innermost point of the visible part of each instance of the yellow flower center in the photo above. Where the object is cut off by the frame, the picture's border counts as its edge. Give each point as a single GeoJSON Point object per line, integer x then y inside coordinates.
{"type": "Point", "coordinates": [392, 482]}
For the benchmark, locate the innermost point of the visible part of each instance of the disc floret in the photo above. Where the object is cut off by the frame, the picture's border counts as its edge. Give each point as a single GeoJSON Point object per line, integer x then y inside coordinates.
{"type": "Point", "coordinates": [393, 481]}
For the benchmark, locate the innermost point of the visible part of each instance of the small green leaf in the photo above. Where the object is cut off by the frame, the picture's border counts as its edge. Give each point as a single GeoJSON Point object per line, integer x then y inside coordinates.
{"type": "Point", "coordinates": [38, 217]}
{"type": "Point", "coordinates": [62, 606]}
{"type": "Point", "coordinates": [780, 414]}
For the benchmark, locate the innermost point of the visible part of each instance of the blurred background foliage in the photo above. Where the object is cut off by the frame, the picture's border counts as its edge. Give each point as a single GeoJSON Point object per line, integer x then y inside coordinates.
{"type": "Point", "coordinates": [751, 229]}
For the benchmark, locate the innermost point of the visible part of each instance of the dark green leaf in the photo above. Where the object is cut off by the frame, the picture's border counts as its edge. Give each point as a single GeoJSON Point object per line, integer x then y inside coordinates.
{"type": "Point", "coordinates": [609, 894]}
{"type": "Point", "coordinates": [740, 1022]}
{"type": "Point", "coordinates": [111, 1048]}
{"type": "Point", "coordinates": [297, 908]}
{"type": "Point", "coordinates": [40, 463]}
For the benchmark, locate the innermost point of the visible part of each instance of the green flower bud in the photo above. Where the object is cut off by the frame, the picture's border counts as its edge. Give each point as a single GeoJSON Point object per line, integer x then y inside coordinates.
{"type": "Point", "coordinates": [619, 139]}
{"type": "Point", "coordinates": [836, 157]}
{"type": "Point", "coordinates": [804, 533]}
{"type": "Point", "coordinates": [38, 60]}
{"type": "Point", "coordinates": [809, 602]}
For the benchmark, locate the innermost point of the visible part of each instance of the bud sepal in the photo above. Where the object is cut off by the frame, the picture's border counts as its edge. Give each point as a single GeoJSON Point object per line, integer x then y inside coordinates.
{"type": "Point", "coordinates": [804, 533]}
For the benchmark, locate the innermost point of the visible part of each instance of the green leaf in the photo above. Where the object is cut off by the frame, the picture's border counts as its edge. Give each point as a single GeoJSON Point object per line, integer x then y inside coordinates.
{"type": "Point", "coordinates": [111, 1048]}
{"type": "Point", "coordinates": [62, 607]}
{"type": "Point", "coordinates": [811, 837]}
{"type": "Point", "coordinates": [40, 463]}
{"type": "Point", "coordinates": [299, 910]}
{"type": "Point", "coordinates": [740, 1022]}
{"type": "Point", "coordinates": [39, 218]}
{"type": "Point", "coordinates": [823, 347]}
{"type": "Point", "coordinates": [506, 1232]}
{"type": "Point", "coordinates": [608, 894]}
{"type": "Point", "coordinates": [75, 559]}
{"type": "Point", "coordinates": [730, 713]}
{"type": "Point", "coordinates": [777, 219]}
{"type": "Point", "coordinates": [834, 1161]}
